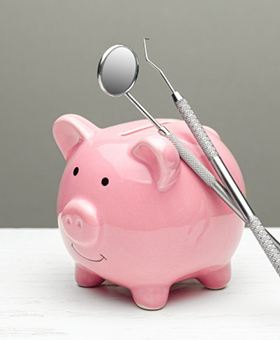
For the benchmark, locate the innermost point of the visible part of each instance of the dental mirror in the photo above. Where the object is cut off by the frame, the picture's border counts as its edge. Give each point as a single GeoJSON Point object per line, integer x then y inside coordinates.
{"type": "Point", "coordinates": [117, 72]}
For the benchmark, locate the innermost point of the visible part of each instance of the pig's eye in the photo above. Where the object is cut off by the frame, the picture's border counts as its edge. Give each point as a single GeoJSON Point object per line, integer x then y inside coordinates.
{"type": "Point", "coordinates": [105, 181]}
{"type": "Point", "coordinates": [76, 171]}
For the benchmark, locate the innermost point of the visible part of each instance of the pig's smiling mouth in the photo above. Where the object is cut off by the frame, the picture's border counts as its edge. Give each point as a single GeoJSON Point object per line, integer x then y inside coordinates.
{"type": "Point", "coordinates": [102, 257]}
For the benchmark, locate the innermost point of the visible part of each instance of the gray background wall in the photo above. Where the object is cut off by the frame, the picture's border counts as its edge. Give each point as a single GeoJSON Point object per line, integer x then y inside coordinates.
{"type": "Point", "coordinates": [223, 55]}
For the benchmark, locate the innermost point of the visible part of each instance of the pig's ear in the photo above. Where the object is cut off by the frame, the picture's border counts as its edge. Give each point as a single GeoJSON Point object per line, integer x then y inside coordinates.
{"type": "Point", "coordinates": [160, 157]}
{"type": "Point", "coordinates": [70, 130]}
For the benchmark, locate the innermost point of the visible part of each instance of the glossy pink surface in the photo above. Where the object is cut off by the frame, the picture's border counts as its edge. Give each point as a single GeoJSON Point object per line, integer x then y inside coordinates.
{"type": "Point", "coordinates": [155, 222]}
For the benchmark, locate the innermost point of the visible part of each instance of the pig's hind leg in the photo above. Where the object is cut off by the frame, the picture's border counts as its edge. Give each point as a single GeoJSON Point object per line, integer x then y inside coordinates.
{"type": "Point", "coordinates": [150, 297]}
{"type": "Point", "coordinates": [86, 278]}
{"type": "Point", "coordinates": [216, 278]}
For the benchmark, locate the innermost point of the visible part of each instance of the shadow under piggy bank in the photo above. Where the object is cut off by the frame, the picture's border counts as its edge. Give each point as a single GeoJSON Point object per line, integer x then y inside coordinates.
{"type": "Point", "coordinates": [180, 293]}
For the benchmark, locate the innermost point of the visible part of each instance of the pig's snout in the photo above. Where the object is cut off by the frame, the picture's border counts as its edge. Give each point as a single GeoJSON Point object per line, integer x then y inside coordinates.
{"type": "Point", "coordinates": [80, 222]}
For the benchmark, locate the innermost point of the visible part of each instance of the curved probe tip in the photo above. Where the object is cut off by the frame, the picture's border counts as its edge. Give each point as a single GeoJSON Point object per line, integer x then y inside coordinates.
{"type": "Point", "coordinates": [156, 67]}
{"type": "Point", "coordinates": [145, 49]}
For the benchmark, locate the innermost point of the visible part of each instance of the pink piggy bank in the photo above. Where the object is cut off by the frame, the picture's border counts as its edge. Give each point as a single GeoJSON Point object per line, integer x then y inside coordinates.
{"type": "Point", "coordinates": [130, 211]}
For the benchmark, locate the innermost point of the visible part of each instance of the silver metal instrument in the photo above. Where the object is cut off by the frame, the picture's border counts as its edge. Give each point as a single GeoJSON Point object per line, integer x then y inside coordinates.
{"type": "Point", "coordinates": [269, 244]}
{"type": "Point", "coordinates": [117, 72]}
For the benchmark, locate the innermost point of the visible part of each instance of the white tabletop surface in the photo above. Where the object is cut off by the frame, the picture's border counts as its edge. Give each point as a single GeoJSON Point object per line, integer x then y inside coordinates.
{"type": "Point", "coordinates": [40, 300]}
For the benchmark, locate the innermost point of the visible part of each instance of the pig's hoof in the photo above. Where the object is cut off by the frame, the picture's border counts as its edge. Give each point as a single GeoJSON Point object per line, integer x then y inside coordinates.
{"type": "Point", "coordinates": [150, 297]}
{"type": "Point", "coordinates": [216, 279]}
{"type": "Point", "coordinates": [86, 278]}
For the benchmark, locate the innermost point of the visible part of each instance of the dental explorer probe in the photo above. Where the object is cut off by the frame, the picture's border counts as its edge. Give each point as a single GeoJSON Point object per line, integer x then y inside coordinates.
{"type": "Point", "coordinates": [269, 244]}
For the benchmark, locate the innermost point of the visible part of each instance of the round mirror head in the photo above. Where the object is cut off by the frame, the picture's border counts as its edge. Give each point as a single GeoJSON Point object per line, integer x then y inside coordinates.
{"type": "Point", "coordinates": [117, 70]}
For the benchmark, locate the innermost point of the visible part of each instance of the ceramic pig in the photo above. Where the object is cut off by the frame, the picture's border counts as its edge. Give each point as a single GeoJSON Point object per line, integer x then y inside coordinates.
{"type": "Point", "coordinates": [130, 211]}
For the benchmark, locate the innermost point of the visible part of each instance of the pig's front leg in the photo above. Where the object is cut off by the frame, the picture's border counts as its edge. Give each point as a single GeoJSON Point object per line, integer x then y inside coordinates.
{"type": "Point", "coordinates": [86, 278]}
{"type": "Point", "coordinates": [150, 297]}
{"type": "Point", "coordinates": [216, 279]}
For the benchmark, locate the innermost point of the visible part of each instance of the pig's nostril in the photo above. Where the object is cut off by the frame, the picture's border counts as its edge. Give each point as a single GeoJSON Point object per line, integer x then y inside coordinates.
{"type": "Point", "coordinates": [79, 223]}
{"type": "Point", "coordinates": [68, 220]}
{"type": "Point", "coordinates": [73, 222]}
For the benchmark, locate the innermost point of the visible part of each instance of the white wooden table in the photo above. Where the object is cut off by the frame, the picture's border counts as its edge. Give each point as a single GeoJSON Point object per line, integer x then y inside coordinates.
{"type": "Point", "coordinates": [40, 300]}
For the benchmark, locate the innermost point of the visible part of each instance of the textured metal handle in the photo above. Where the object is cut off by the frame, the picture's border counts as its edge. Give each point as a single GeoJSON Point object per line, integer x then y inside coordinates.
{"type": "Point", "coordinates": [202, 171]}
{"type": "Point", "coordinates": [266, 242]}
{"type": "Point", "coordinates": [196, 127]}
{"type": "Point", "coordinates": [192, 161]}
